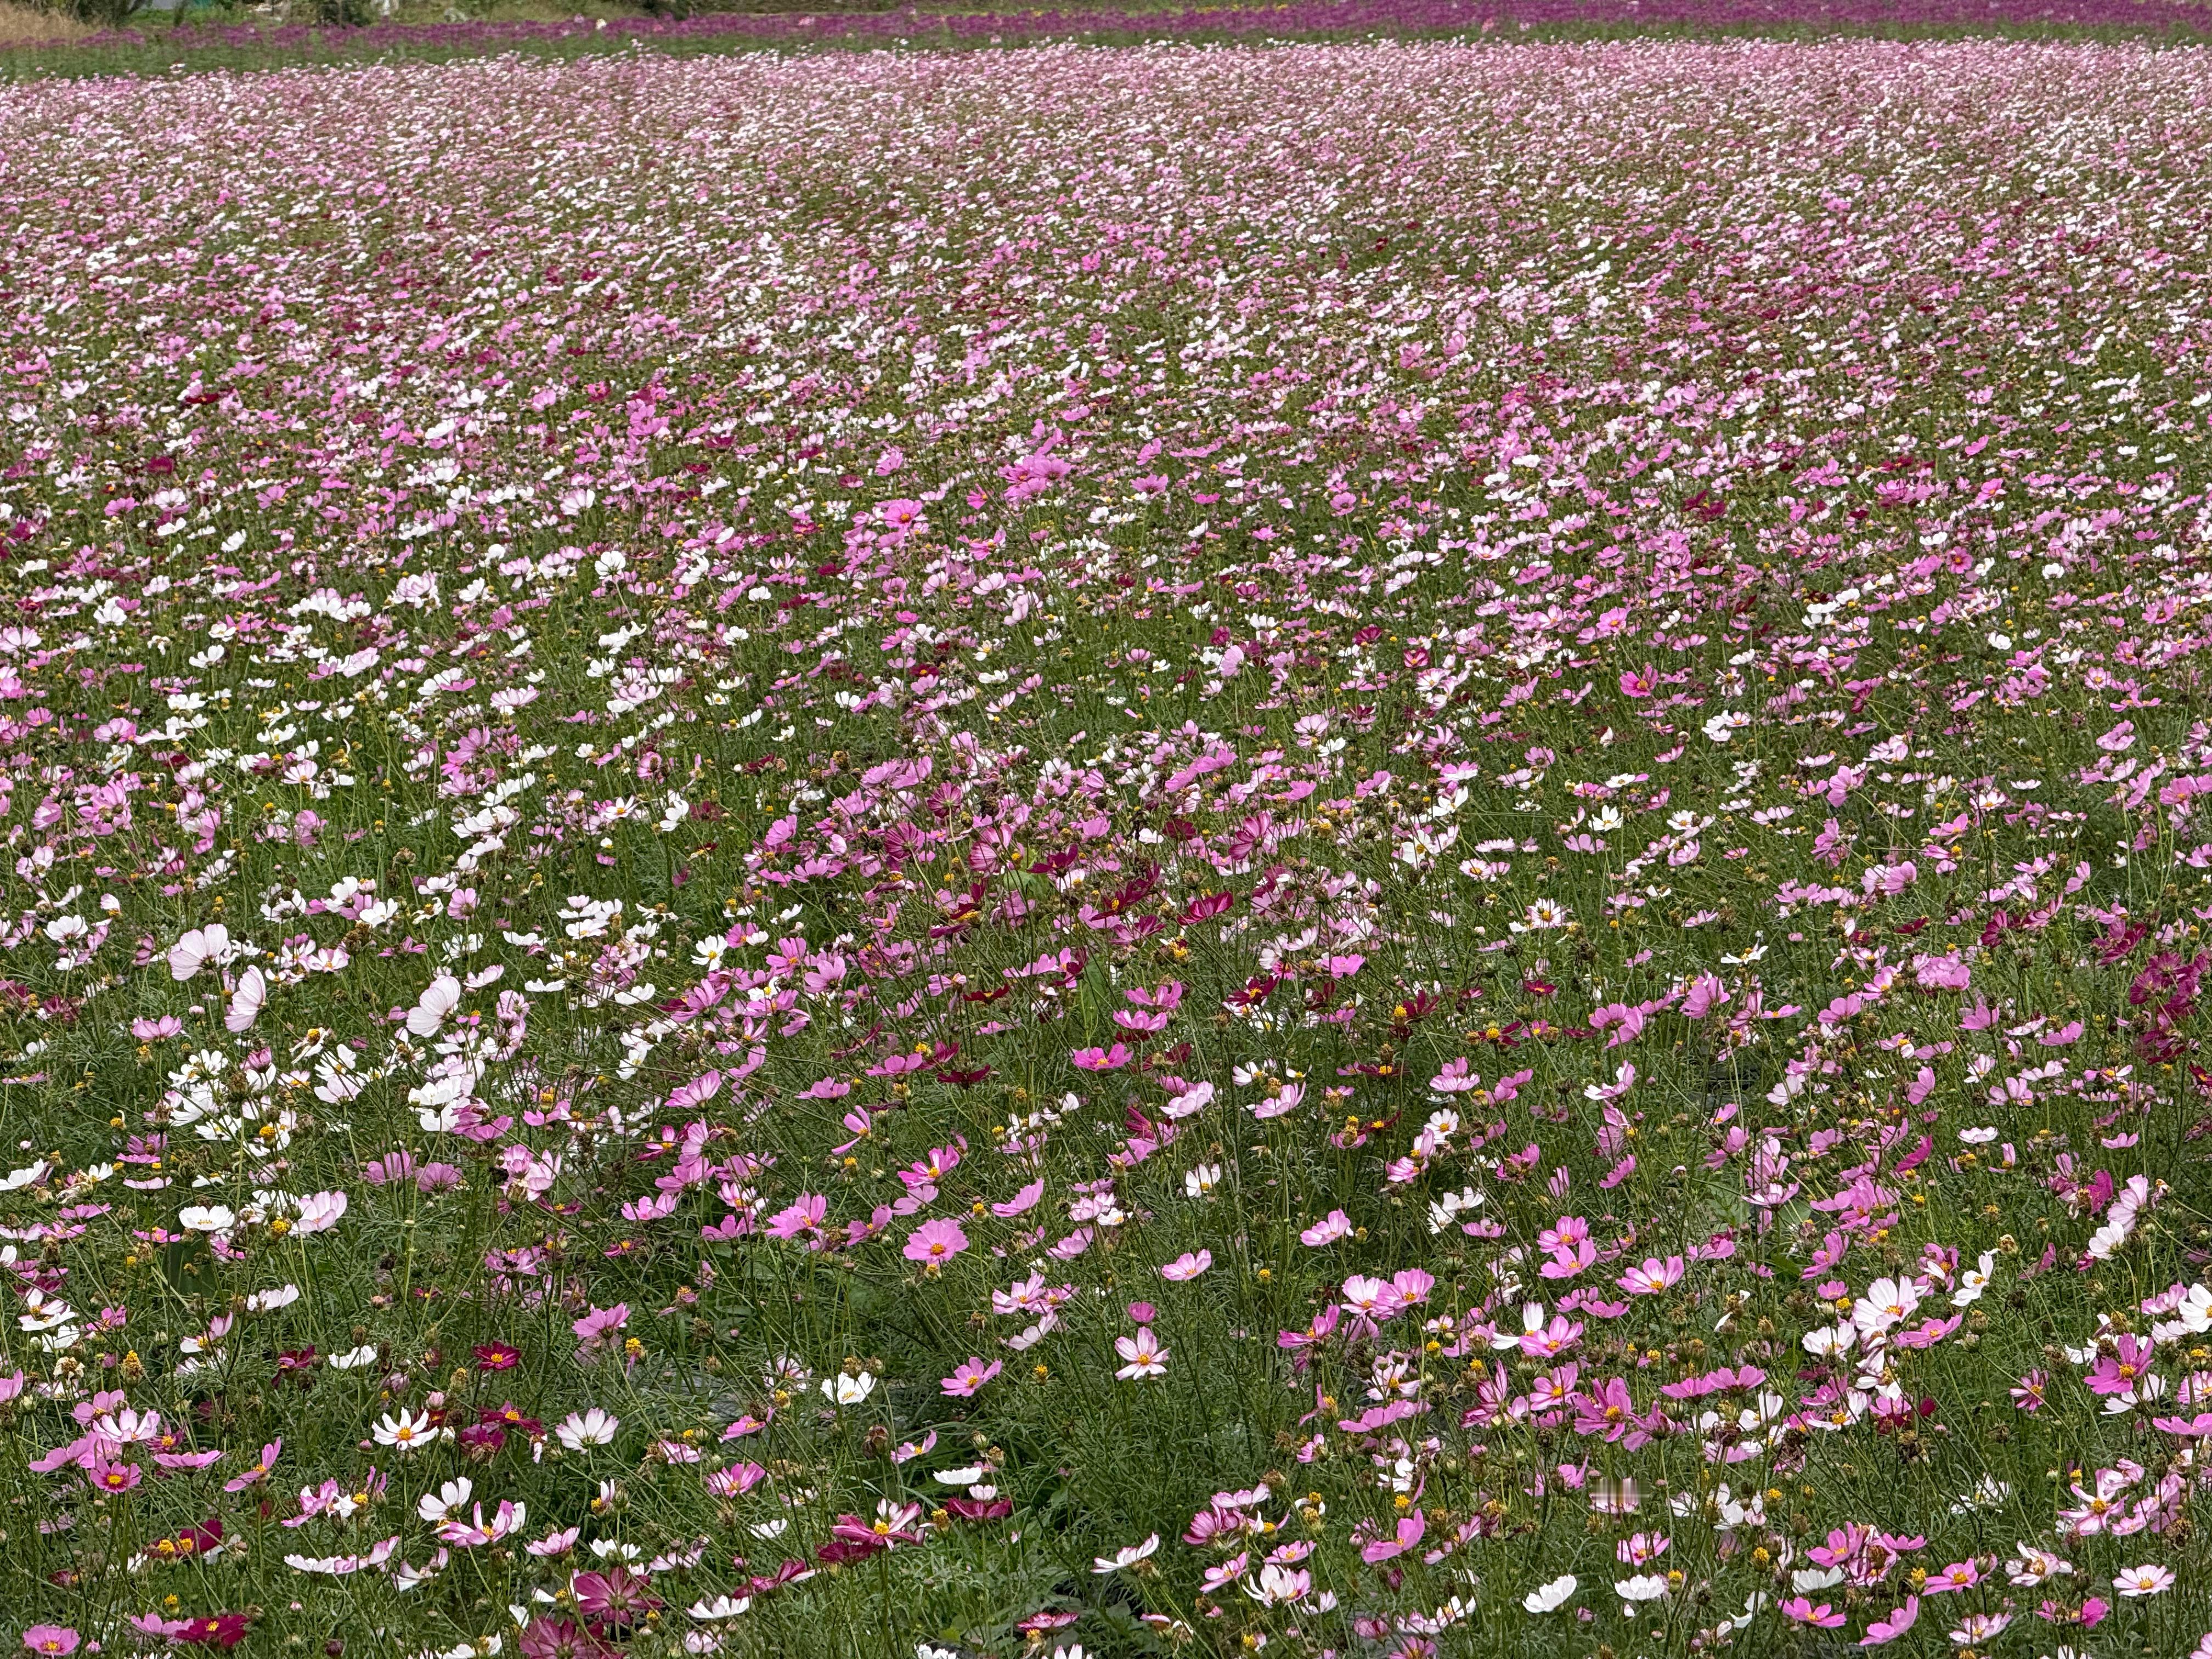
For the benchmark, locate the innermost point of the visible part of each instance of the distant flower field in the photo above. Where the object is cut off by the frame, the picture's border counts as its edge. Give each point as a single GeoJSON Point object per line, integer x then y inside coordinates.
{"type": "Point", "coordinates": [1332, 850]}
{"type": "Point", "coordinates": [149, 47]}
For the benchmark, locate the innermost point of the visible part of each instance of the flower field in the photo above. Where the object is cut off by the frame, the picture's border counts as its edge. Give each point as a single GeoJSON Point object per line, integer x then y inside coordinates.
{"type": "Point", "coordinates": [1334, 850]}
{"type": "Point", "coordinates": [152, 48]}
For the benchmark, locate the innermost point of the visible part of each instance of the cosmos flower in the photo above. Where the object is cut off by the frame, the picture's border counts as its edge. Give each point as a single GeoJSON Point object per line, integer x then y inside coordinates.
{"type": "Point", "coordinates": [969, 1376]}
{"type": "Point", "coordinates": [1143, 1354]}
{"type": "Point", "coordinates": [594, 1427]}
{"type": "Point", "coordinates": [935, 1243]}
{"type": "Point", "coordinates": [1552, 1596]}
{"type": "Point", "coordinates": [407, 1431]}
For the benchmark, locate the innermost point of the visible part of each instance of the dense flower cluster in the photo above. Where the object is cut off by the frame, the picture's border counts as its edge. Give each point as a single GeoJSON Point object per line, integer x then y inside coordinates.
{"type": "Point", "coordinates": [1347, 850]}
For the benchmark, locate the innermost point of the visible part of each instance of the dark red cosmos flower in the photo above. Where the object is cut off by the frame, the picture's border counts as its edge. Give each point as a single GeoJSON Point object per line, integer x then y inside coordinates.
{"type": "Point", "coordinates": [482, 1439]}
{"type": "Point", "coordinates": [852, 1529]}
{"type": "Point", "coordinates": [508, 1415]}
{"type": "Point", "coordinates": [1378, 1069]}
{"type": "Point", "coordinates": [1256, 991]}
{"type": "Point", "coordinates": [793, 1571]}
{"type": "Point", "coordinates": [189, 1542]}
{"type": "Point", "coordinates": [296, 1366]}
{"type": "Point", "coordinates": [1417, 1007]}
{"type": "Point", "coordinates": [222, 1630]}
{"type": "Point", "coordinates": [977, 1509]}
{"type": "Point", "coordinates": [497, 1356]}
{"type": "Point", "coordinates": [1206, 906]}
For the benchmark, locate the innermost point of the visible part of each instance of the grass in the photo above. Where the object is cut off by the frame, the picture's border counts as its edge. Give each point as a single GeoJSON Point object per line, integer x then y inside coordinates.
{"type": "Point", "coordinates": [23, 29]}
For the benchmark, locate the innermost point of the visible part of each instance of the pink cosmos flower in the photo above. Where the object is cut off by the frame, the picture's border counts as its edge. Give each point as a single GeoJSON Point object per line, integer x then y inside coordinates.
{"type": "Point", "coordinates": [595, 1331]}
{"type": "Point", "coordinates": [1188, 1266]}
{"type": "Point", "coordinates": [1410, 1532]}
{"type": "Point", "coordinates": [1374, 1299]}
{"type": "Point", "coordinates": [1958, 1575]}
{"type": "Point", "coordinates": [735, 1482]}
{"type": "Point", "coordinates": [2119, 1371]}
{"type": "Point", "coordinates": [969, 1376]}
{"type": "Point", "coordinates": [1653, 1277]}
{"type": "Point", "coordinates": [618, 1595]}
{"type": "Point", "coordinates": [1331, 1227]}
{"type": "Point", "coordinates": [1892, 1624]}
{"type": "Point", "coordinates": [1456, 1078]}
{"type": "Point", "coordinates": [1611, 1413]}
{"type": "Point", "coordinates": [110, 1476]}
{"type": "Point", "coordinates": [935, 1243]}
{"type": "Point", "coordinates": [560, 1638]}
{"type": "Point", "coordinates": [802, 1219]}
{"type": "Point", "coordinates": [319, 1212]}
{"type": "Point", "coordinates": [1800, 1610]}
{"type": "Point", "coordinates": [1549, 1342]}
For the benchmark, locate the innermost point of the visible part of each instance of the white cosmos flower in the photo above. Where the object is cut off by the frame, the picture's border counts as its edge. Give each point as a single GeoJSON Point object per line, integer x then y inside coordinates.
{"type": "Point", "coordinates": [407, 1431]}
{"type": "Point", "coordinates": [1829, 1340]}
{"type": "Point", "coordinates": [1549, 1598]}
{"type": "Point", "coordinates": [1542, 915]}
{"type": "Point", "coordinates": [722, 1606]}
{"type": "Point", "coordinates": [2151, 1579]}
{"type": "Point", "coordinates": [432, 1506]}
{"type": "Point", "coordinates": [1887, 1302]}
{"type": "Point", "coordinates": [42, 1312]}
{"type": "Point", "coordinates": [1974, 1281]}
{"type": "Point", "coordinates": [1128, 1556]}
{"type": "Point", "coordinates": [440, 998]}
{"type": "Point", "coordinates": [592, 1428]}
